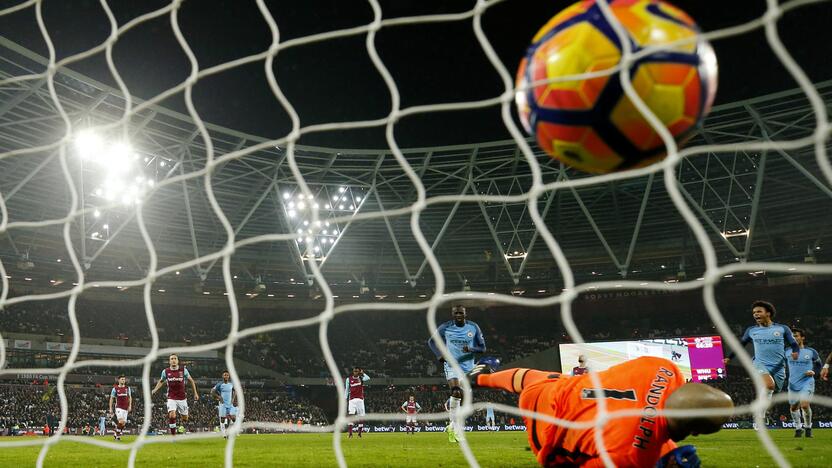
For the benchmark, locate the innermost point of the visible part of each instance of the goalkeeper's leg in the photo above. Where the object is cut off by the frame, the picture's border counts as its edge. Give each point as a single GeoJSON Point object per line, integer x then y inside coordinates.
{"type": "Point", "coordinates": [514, 380]}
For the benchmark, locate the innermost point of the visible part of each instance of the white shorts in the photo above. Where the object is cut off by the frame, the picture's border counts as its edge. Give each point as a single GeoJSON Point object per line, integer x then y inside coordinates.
{"type": "Point", "coordinates": [356, 406]}
{"type": "Point", "coordinates": [180, 406]}
{"type": "Point", "coordinates": [121, 414]}
{"type": "Point", "coordinates": [411, 418]}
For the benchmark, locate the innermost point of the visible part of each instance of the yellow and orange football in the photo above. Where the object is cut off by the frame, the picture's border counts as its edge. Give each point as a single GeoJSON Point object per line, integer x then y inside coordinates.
{"type": "Point", "coordinates": [589, 122]}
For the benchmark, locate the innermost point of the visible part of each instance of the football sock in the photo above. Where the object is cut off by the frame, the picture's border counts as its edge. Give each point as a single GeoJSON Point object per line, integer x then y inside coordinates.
{"type": "Point", "coordinates": [796, 418]}
{"type": "Point", "coordinates": [514, 380]}
{"type": "Point", "coordinates": [807, 417]}
{"type": "Point", "coordinates": [350, 426]}
{"type": "Point", "coordinates": [360, 428]}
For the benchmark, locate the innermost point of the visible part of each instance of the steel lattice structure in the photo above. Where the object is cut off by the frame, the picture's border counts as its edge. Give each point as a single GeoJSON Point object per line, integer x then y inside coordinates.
{"type": "Point", "coordinates": [760, 206]}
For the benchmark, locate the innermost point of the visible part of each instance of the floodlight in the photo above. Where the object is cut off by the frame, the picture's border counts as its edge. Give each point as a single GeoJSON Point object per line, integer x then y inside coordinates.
{"type": "Point", "coordinates": [89, 144]}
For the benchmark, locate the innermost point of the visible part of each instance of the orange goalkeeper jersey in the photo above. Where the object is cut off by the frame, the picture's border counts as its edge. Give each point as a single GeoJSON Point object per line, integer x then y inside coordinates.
{"type": "Point", "coordinates": [642, 384]}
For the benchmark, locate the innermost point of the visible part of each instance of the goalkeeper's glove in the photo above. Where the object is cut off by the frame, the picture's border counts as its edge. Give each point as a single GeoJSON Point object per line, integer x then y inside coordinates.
{"type": "Point", "coordinates": [682, 457]}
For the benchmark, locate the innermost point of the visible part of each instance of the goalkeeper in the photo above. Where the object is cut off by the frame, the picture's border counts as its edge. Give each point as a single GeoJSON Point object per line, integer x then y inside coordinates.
{"type": "Point", "coordinates": [647, 384]}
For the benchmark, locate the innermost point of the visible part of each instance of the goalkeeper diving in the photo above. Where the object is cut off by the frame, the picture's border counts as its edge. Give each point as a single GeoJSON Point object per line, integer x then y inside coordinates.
{"type": "Point", "coordinates": [646, 384]}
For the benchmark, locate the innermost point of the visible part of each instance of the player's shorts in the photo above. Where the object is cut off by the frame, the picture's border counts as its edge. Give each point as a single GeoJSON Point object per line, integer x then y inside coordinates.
{"type": "Point", "coordinates": [778, 374]}
{"type": "Point", "coordinates": [410, 418]}
{"type": "Point", "coordinates": [801, 393]}
{"type": "Point", "coordinates": [226, 410]}
{"type": "Point", "coordinates": [489, 417]}
{"type": "Point", "coordinates": [467, 366]}
{"type": "Point", "coordinates": [180, 406]}
{"type": "Point", "coordinates": [356, 406]}
{"type": "Point", "coordinates": [121, 414]}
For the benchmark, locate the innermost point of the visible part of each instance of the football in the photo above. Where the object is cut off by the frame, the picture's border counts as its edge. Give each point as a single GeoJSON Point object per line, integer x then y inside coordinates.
{"type": "Point", "coordinates": [490, 361]}
{"type": "Point", "coordinates": [587, 121]}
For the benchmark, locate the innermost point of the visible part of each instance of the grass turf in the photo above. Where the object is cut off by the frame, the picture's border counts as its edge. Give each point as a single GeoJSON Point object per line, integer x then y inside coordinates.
{"type": "Point", "coordinates": [735, 448]}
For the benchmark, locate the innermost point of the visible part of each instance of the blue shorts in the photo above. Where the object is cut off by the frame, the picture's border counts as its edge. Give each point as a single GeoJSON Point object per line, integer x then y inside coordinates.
{"type": "Point", "coordinates": [467, 366]}
{"type": "Point", "coordinates": [777, 373]}
{"type": "Point", "coordinates": [801, 392]}
{"type": "Point", "coordinates": [226, 410]}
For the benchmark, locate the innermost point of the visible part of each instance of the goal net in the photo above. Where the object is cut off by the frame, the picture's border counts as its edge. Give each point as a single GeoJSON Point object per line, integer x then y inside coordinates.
{"type": "Point", "coordinates": [319, 213]}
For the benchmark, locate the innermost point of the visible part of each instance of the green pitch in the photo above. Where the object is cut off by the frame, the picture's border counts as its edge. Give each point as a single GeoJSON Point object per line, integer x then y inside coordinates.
{"type": "Point", "coordinates": [728, 449]}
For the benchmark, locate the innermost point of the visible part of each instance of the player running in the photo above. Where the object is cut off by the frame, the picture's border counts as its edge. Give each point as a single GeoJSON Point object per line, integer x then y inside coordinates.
{"type": "Point", "coordinates": [770, 340]}
{"type": "Point", "coordinates": [410, 407]}
{"type": "Point", "coordinates": [354, 393]}
{"type": "Point", "coordinates": [224, 393]}
{"type": "Point", "coordinates": [463, 338]}
{"type": "Point", "coordinates": [123, 398]}
{"type": "Point", "coordinates": [175, 377]}
{"type": "Point", "coordinates": [802, 373]}
{"type": "Point", "coordinates": [646, 384]}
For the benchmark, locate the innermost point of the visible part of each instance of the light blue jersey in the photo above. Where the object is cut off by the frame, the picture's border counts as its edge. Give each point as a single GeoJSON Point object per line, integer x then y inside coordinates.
{"type": "Point", "coordinates": [770, 344]}
{"type": "Point", "coordinates": [457, 338]}
{"type": "Point", "coordinates": [770, 349]}
{"type": "Point", "coordinates": [225, 390]}
{"type": "Point", "coordinates": [489, 413]}
{"type": "Point", "coordinates": [807, 360]}
{"type": "Point", "coordinates": [226, 406]}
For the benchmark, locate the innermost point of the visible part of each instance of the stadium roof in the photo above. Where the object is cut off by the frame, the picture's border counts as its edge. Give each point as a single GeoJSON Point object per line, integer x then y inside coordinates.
{"type": "Point", "coordinates": [755, 206]}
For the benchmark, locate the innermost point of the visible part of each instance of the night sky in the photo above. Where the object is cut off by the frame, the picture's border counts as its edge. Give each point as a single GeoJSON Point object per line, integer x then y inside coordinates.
{"type": "Point", "coordinates": [336, 81]}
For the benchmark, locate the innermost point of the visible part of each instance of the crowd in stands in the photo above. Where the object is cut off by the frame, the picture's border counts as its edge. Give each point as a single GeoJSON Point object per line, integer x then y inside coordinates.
{"type": "Point", "coordinates": [33, 406]}
{"type": "Point", "coordinates": [741, 389]}
{"type": "Point", "coordinates": [392, 343]}
{"type": "Point", "coordinates": [376, 340]}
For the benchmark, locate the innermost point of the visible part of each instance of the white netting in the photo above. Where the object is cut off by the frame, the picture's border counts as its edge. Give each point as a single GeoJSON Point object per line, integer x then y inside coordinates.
{"type": "Point", "coordinates": [712, 275]}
